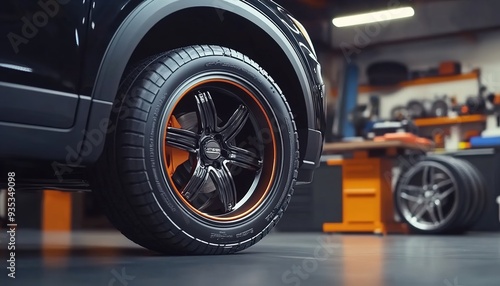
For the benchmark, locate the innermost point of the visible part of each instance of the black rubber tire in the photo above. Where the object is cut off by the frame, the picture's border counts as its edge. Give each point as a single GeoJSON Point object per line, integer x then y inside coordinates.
{"type": "Point", "coordinates": [128, 177]}
{"type": "Point", "coordinates": [472, 191]}
{"type": "Point", "coordinates": [477, 192]}
{"type": "Point", "coordinates": [461, 195]}
{"type": "Point", "coordinates": [439, 108]}
{"type": "Point", "coordinates": [387, 73]}
{"type": "Point", "coordinates": [416, 109]}
{"type": "Point", "coordinates": [399, 113]}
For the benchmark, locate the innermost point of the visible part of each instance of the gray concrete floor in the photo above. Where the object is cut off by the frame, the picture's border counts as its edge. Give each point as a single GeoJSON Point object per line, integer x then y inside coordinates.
{"type": "Point", "coordinates": [108, 259]}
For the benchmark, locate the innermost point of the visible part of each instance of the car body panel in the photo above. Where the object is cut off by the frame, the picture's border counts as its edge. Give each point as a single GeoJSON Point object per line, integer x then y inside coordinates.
{"type": "Point", "coordinates": [40, 70]}
{"type": "Point", "coordinates": [43, 42]}
{"type": "Point", "coordinates": [80, 66]}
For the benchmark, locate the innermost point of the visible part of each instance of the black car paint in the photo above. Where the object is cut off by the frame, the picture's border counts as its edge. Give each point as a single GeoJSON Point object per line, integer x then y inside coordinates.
{"type": "Point", "coordinates": [77, 57]}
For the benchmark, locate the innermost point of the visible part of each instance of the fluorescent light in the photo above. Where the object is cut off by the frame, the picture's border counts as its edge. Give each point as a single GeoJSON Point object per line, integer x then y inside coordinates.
{"type": "Point", "coordinates": [372, 17]}
{"type": "Point", "coordinates": [16, 67]}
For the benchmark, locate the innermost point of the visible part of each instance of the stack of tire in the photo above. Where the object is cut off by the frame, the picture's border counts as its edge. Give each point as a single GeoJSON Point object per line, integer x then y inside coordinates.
{"type": "Point", "coordinates": [421, 109]}
{"type": "Point", "coordinates": [440, 195]}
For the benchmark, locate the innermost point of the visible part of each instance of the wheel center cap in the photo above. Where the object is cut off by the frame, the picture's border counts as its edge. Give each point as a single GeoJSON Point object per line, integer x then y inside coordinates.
{"type": "Point", "coordinates": [212, 149]}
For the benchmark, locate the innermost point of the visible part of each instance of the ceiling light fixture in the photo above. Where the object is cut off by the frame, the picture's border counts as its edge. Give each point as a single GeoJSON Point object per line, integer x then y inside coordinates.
{"type": "Point", "coordinates": [385, 15]}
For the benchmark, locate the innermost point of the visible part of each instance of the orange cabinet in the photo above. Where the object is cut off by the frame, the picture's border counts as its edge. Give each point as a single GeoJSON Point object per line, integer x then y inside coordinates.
{"type": "Point", "coordinates": [367, 198]}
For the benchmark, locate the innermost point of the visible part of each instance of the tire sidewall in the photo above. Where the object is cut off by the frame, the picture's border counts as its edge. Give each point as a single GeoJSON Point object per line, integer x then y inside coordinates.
{"type": "Point", "coordinates": [463, 188]}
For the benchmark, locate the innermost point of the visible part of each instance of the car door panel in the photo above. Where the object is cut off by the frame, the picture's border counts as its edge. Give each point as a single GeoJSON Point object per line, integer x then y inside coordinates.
{"type": "Point", "coordinates": [40, 60]}
{"type": "Point", "coordinates": [36, 106]}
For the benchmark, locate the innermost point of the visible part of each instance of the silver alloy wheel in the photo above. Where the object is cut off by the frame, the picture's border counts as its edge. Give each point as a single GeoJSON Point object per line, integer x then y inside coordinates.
{"type": "Point", "coordinates": [427, 196]}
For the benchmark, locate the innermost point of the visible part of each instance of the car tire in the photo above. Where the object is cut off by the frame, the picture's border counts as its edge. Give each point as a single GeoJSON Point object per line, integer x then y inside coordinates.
{"type": "Point", "coordinates": [477, 192]}
{"type": "Point", "coordinates": [414, 196]}
{"type": "Point", "coordinates": [202, 153]}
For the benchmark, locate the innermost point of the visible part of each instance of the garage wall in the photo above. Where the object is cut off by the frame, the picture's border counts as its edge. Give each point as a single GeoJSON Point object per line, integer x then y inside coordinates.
{"type": "Point", "coordinates": [431, 19]}
{"type": "Point", "coordinates": [473, 52]}
{"type": "Point", "coordinates": [388, 100]}
{"type": "Point", "coordinates": [461, 30]}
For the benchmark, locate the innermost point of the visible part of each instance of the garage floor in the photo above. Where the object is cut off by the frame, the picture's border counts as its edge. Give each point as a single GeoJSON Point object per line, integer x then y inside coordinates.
{"type": "Point", "coordinates": [107, 259]}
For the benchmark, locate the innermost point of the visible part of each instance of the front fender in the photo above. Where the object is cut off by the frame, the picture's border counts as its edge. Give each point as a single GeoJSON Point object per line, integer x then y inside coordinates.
{"type": "Point", "coordinates": [148, 13]}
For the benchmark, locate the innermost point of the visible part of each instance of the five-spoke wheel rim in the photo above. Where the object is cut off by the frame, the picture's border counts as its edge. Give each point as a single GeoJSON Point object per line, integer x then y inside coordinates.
{"type": "Point", "coordinates": [219, 148]}
{"type": "Point", "coordinates": [427, 196]}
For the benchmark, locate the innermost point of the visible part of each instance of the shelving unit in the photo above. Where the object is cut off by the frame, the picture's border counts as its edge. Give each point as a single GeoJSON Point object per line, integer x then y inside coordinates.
{"type": "Point", "coordinates": [456, 129]}
{"type": "Point", "coordinates": [440, 121]}
{"type": "Point", "coordinates": [364, 89]}
{"type": "Point", "coordinates": [420, 81]}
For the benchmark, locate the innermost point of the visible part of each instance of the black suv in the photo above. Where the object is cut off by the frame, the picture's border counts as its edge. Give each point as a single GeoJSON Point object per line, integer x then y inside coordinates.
{"type": "Point", "coordinates": [190, 120]}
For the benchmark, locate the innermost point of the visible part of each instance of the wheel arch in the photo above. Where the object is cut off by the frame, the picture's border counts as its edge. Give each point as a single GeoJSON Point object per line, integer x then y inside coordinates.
{"type": "Point", "coordinates": [216, 22]}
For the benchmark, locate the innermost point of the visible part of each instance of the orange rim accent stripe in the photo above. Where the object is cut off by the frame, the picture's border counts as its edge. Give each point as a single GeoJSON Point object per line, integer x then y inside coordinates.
{"type": "Point", "coordinates": [268, 187]}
